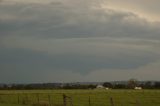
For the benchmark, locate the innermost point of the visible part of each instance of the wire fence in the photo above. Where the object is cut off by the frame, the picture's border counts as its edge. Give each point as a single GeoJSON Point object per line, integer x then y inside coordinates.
{"type": "Point", "coordinates": [83, 99]}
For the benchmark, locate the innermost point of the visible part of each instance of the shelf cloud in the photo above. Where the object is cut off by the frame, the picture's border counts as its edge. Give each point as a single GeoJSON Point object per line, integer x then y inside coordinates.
{"type": "Point", "coordinates": [86, 40]}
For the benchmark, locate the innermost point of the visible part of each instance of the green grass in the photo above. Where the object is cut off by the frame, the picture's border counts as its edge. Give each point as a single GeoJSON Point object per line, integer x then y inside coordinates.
{"type": "Point", "coordinates": [81, 97]}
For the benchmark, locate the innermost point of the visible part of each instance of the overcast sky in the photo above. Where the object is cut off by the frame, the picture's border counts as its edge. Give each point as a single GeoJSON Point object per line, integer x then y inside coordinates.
{"type": "Point", "coordinates": [79, 40]}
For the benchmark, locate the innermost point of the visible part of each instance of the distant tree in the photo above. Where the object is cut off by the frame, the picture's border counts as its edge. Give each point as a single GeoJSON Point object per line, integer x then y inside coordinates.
{"type": "Point", "coordinates": [107, 84]}
{"type": "Point", "coordinates": [119, 86]}
{"type": "Point", "coordinates": [148, 85]}
{"type": "Point", "coordinates": [157, 85]}
{"type": "Point", "coordinates": [67, 86]}
{"type": "Point", "coordinates": [5, 86]}
{"type": "Point", "coordinates": [91, 86]}
{"type": "Point", "coordinates": [132, 83]}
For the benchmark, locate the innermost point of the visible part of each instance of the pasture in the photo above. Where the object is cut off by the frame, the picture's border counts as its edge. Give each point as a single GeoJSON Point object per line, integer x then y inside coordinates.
{"type": "Point", "coordinates": [100, 97]}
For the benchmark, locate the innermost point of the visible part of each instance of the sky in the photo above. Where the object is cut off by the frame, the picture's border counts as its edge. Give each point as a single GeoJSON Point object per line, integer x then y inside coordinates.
{"type": "Point", "coordinates": [79, 40]}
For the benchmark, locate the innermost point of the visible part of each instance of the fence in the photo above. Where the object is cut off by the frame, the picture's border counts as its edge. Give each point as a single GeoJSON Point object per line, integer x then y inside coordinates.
{"type": "Point", "coordinates": [46, 100]}
{"type": "Point", "coordinates": [82, 99]}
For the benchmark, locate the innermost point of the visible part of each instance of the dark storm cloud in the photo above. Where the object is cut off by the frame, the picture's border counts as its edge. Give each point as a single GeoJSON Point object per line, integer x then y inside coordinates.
{"type": "Point", "coordinates": [69, 39]}
{"type": "Point", "coordinates": [59, 20]}
{"type": "Point", "coordinates": [19, 59]}
{"type": "Point", "coordinates": [25, 64]}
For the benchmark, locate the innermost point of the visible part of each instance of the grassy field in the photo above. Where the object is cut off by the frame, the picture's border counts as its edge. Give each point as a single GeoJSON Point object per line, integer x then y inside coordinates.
{"type": "Point", "coordinates": [80, 97]}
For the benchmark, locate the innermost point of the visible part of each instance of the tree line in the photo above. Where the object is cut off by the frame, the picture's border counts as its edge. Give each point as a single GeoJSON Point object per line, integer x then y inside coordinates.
{"type": "Point", "coordinates": [128, 85]}
{"type": "Point", "coordinates": [132, 83]}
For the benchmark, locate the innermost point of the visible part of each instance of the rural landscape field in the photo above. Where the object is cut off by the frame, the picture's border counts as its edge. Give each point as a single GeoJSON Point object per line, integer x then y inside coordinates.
{"type": "Point", "coordinates": [80, 97]}
{"type": "Point", "coordinates": [79, 52]}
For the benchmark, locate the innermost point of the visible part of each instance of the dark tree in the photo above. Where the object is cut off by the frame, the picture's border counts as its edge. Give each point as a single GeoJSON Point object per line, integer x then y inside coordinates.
{"type": "Point", "coordinates": [132, 83]}
{"type": "Point", "coordinates": [148, 85]}
{"type": "Point", "coordinates": [157, 85]}
{"type": "Point", "coordinates": [91, 86]}
{"type": "Point", "coordinates": [119, 86]}
{"type": "Point", "coordinates": [107, 84]}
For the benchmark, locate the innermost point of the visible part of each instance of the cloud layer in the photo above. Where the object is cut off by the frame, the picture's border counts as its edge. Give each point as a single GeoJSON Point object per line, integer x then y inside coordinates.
{"type": "Point", "coordinates": [68, 40]}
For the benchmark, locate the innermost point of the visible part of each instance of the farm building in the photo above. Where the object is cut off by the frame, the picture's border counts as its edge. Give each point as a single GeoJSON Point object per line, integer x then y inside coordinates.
{"type": "Point", "coordinates": [100, 87]}
{"type": "Point", "coordinates": [138, 88]}
{"type": "Point", "coordinates": [107, 88]}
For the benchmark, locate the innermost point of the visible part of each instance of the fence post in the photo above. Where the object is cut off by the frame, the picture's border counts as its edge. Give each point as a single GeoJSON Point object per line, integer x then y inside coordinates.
{"type": "Point", "coordinates": [18, 98]}
{"type": "Point", "coordinates": [137, 103]}
{"type": "Point", "coordinates": [64, 100]}
{"type": "Point", "coordinates": [49, 100]}
{"type": "Point", "coordinates": [38, 98]}
{"type": "Point", "coordinates": [26, 99]}
{"type": "Point", "coordinates": [0, 99]}
{"type": "Point", "coordinates": [111, 101]}
{"type": "Point", "coordinates": [71, 102]}
{"type": "Point", "coordinates": [89, 100]}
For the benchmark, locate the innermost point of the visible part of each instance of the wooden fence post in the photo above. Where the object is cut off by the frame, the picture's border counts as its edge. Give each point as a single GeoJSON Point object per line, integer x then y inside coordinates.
{"type": "Point", "coordinates": [18, 98]}
{"type": "Point", "coordinates": [89, 100]}
{"type": "Point", "coordinates": [0, 99]}
{"type": "Point", "coordinates": [71, 102]}
{"type": "Point", "coordinates": [137, 103]}
{"type": "Point", "coordinates": [26, 99]}
{"type": "Point", "coordinates": [38, 98]}
{"type": "Point", "coordinates": [49, 100]}
{"type": "Point", "coordinates": [111, 101]}
{"type": "Point", "coordinates": [64, 100]}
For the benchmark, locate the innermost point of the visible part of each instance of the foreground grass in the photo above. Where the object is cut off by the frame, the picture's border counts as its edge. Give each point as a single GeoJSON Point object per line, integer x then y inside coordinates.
{"type": "Point", "coordinates": [81, 97]}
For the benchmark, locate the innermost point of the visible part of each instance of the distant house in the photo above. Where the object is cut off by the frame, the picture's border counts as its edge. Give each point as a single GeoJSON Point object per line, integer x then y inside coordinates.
{"type": "Point", "coordinates": [100, 87]}
{"type": "Point", "coordinates": [107, 88]}
{"type": "Point", "coordinates": [138, 88]}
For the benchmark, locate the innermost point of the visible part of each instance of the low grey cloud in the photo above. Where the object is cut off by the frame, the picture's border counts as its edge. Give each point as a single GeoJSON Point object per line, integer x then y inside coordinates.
{"type": "Point", "coordinates": [145, 8]}
{"type": "Point", "coordinates": [80, 38]}
{"type": "Point", "coordinates": [60, 20]}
